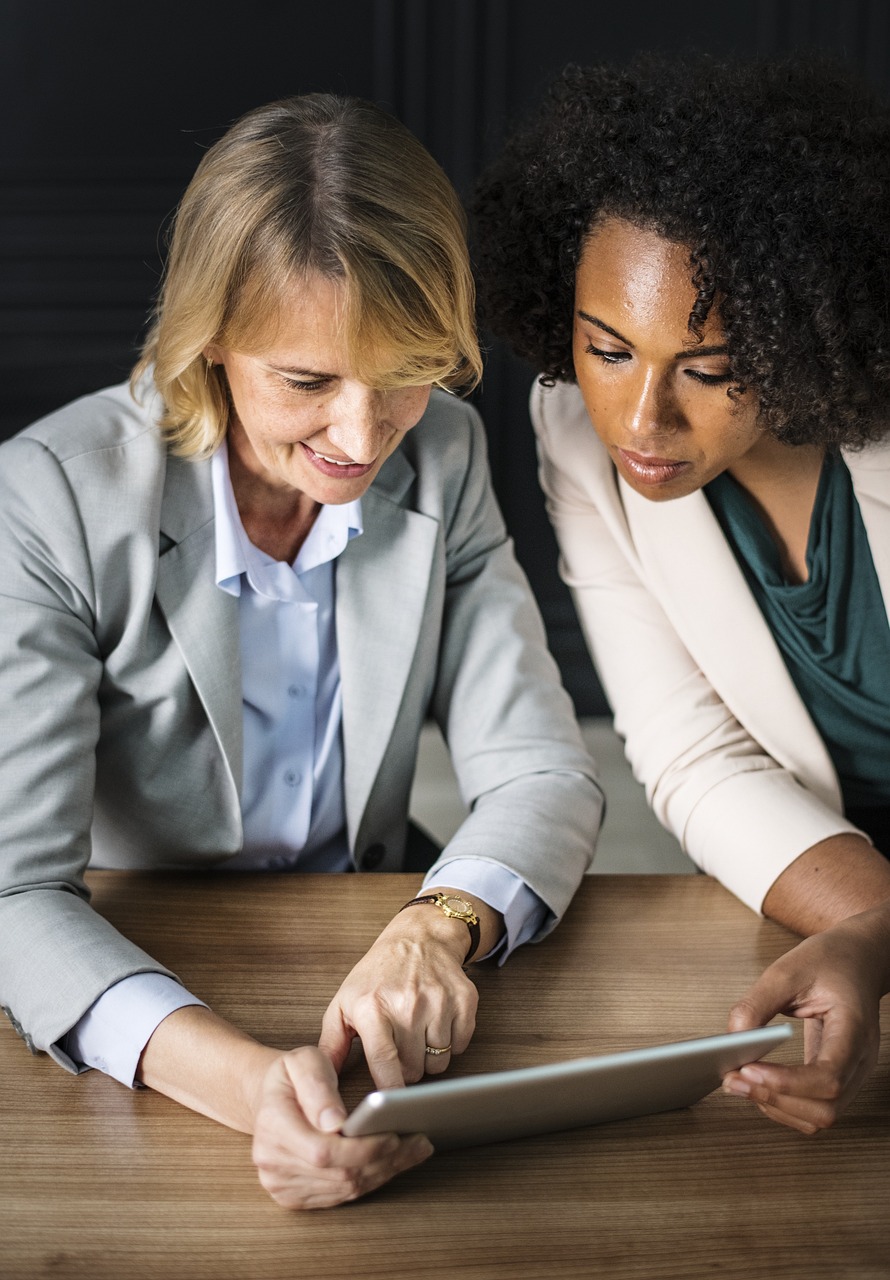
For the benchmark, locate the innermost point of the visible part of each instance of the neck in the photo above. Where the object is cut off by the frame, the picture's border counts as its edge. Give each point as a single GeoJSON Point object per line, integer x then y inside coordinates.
{"type": "Point", "coordinates": [782, 481]}
{"type": "Point", "coordinates": [276, 519]}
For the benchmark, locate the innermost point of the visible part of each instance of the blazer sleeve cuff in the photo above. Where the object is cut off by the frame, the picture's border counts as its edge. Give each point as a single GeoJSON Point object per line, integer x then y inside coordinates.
{"type": "Point", "coordinates": [749, 828]}
{"type": "Point", "coordinates": [116, 1028]}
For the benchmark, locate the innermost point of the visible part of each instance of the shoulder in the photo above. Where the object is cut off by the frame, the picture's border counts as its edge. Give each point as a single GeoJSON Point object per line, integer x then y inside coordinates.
{"type": "Point", "coordinates": [437, 455]}
{"type": "Point", "coordinates": [873, 460]}
{"type": "Point", "coordinates": [449, 428]}
{"type": "Point", "coordinates": [574, 463]}
{"type": "Point", "coordinates": [95, 465]}
{"type": "Point", "coordinates": [107, 419]}
{"type": "Point", "coordinates": [440, 471]}
{"type": "Point", "coordinates": [101, 438]}
{"type": "Point", "coordinates": [558, 413]}
{"type": "Point", "coordinates": [565, 432]}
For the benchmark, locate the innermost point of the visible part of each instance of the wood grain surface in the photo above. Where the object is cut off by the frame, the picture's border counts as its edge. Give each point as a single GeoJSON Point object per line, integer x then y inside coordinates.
{"type": "Point", "coordinates": [99, 1182]}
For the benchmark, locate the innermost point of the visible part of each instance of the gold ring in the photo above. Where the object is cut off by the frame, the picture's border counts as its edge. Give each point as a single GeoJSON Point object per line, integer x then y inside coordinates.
{"type": "Point", "coordinates": [434, 1052]}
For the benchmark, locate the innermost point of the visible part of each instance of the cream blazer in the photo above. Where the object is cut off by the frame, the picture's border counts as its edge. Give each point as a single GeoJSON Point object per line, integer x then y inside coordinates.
{"type": "Point", "coordinates": [713, 725]}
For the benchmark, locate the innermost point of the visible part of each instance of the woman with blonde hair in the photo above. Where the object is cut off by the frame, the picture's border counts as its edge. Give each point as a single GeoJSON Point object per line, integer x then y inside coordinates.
{"type": "Point", "coordinates": [232, 592]}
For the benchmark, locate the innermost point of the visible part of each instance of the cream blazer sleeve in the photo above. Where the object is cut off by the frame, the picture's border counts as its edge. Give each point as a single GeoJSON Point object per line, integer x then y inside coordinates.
{"type": "Point", "coordinates": [713, 726]}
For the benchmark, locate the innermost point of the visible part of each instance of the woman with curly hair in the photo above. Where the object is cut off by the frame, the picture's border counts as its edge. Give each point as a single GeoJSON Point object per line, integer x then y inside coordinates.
{"type": "Point", "coordinates": [696, 256]}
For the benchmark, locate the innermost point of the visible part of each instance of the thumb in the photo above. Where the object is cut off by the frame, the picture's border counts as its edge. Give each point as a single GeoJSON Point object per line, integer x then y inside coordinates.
{"type": "Point", "coordinates": [313, 1080]}
{"type": "Point", "coordinates": [769, 995]}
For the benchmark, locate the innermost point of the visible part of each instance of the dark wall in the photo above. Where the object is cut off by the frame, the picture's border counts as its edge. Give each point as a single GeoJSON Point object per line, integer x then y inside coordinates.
{"type": "Point", "coordinates": [107, 107]}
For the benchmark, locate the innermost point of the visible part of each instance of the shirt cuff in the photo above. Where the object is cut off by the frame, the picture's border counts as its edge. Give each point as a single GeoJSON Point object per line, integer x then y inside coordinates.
{"type": "Point", "coordinates": [116, 1028]}
{"type": "Point", "coordinates": [523, 911]}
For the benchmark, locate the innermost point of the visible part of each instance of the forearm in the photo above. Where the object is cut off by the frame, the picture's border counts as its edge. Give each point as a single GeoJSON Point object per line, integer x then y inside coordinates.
{"type": "Point", "coordinates": [541, 827]}
{"type": "Point", "coordinates": [834, 879]}
{"type": "Point", "coordinates": [206, 1064]}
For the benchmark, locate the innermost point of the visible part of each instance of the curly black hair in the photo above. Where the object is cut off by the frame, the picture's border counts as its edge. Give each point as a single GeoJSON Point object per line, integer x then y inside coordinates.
{"type": "Point", "coordinates": [775, 174]}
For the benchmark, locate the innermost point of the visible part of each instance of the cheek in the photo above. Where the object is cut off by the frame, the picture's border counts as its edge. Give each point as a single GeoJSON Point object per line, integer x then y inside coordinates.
{"type": "Point", "coordinates": [738, 432]}
{"type": "Point", "coordinates": [277, 426]}
{"type": "Point", "coordinates": [600, 400]}
{"type": "Point", "coordinates": [247, 399]}
{"type": "Point", "coordinates": [410, 407]}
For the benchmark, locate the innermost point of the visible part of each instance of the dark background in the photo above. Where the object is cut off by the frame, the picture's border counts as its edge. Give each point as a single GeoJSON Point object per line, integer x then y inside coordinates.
{"type": "Point", "coordinates": [106, 107]}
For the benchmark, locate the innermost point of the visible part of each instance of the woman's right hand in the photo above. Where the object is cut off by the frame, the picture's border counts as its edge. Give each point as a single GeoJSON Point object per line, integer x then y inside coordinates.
{"type": "Point", "coordinates": [303, 1161]}
{"type": "Point", "coordinates": [288, 1101]}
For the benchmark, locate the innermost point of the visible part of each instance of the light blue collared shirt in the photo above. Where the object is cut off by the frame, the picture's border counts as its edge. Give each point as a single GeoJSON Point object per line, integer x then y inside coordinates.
{"type": "Point", "coordinates": [292, 805]}
{"type": "Point", "coordinates": [292, 799]}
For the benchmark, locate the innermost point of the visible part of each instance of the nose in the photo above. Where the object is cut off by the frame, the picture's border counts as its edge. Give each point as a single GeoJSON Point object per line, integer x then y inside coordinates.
{"type": "Point", "coordinates": [650, 409]}
{"type": "Point", "coordinates": [359, 422]}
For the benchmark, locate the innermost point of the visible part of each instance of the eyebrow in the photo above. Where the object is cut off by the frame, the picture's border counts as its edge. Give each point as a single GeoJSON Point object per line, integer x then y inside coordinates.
{"type": "Point", "coordinates": [685, 354]}
{"type": "Point", "coordinates": [300, 373]}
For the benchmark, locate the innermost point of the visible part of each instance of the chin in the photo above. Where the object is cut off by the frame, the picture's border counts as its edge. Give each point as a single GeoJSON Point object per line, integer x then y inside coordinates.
{"type": "Point", "coordinates": [665, 492]}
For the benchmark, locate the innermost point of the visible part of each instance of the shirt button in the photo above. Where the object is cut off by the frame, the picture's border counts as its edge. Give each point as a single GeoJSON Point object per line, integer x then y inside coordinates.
{"type": "Point", "coordinates": [293, 778]}
{"type": "Point", "coordinates": [372, 857]}
{"type": "Point", "coordinates": [295, 691]}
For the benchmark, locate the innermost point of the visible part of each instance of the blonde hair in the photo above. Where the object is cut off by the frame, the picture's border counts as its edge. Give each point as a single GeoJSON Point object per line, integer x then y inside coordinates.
{"type": "Point", "coordinates": [312, 184]}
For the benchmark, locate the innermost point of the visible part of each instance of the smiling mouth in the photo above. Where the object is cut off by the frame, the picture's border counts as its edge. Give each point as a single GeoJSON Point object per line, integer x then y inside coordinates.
{"type": "Point", "coordinates": [338, 462]}
{"type": "Point", "coordinates": [648, 469]}
{"type": "Point", "coordinates": [338, 467]}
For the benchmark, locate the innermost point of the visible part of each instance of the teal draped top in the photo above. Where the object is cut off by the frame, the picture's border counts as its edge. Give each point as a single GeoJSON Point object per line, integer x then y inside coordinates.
{"type": "Point", "coordinates": [832, 630]}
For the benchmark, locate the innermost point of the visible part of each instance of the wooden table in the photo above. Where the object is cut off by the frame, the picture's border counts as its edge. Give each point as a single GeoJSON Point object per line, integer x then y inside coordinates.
{"type": "Point", "coordinates": [97, 1181]}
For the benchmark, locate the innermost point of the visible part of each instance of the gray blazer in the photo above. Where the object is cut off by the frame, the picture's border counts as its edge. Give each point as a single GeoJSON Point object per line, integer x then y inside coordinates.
{"type": "Point", "coordinates": [120, 686]}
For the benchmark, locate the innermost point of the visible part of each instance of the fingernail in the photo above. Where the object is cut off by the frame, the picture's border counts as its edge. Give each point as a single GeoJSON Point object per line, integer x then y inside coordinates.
{"type": "Point", "coordinates": [738, 1087]}
{"type": "Point", "coordinates": [752, 1074]}
{"type": "Point", "coordinates": [422, 1147]}
{"type": "Point", "coordinates": [331, 1119]}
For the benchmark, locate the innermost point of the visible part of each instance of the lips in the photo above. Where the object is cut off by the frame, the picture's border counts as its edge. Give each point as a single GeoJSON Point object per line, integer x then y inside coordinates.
{"type": "Point", "coordinates": [328, 466]}
{"type": "Point", "coordinates": [648, 469]}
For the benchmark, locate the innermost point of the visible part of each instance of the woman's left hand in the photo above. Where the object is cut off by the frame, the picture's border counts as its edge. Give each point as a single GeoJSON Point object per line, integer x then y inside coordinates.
{"type": "Point", "coordinates": [835, 980]}
{"type": "Point", "coordinates": [409, 993]}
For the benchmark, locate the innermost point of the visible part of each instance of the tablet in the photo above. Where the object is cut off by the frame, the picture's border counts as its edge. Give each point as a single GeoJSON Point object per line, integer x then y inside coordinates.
{"type": "Point", "coordinates": [562, 1095]}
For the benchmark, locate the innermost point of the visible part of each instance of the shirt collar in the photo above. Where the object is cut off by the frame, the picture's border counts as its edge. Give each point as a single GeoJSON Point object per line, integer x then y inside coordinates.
{"type": "Point", "coordinates": [334, 527]}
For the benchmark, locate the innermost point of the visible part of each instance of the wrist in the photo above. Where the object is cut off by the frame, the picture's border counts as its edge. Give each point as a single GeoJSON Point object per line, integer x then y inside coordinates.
{"type": "Point", "coordinates": [257, 1062]}
{"type": "Point", "coordinates": [424, 924]}
{"type": "Point", "coordinates": [491, 922]}
{"type": "Point", "coordinates": [453, 907]}
{"type": "Point", "coordinates": [873, 927]}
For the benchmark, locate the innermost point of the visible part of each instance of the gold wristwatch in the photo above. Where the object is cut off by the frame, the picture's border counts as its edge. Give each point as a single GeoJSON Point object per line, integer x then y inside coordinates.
{"type": "Point", "coordinates": [457, 909]}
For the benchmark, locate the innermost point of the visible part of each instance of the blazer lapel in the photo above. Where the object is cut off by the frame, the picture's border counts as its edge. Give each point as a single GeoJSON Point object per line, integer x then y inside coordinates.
{"type": "Point", "coordinates": [383, 582]}
{"type": "Point", "coordinates": [870, 471]}
{"type": "Point", "coordinates": [702, 589]}
{"type": "Point", "coordinates": [203, 620]}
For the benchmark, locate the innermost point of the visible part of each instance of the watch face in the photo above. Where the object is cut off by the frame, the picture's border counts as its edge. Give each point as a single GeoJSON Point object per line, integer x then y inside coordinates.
{"type": "Point", "coordinates": [457, 906]}
{"type": "Point", "coordinates": [454, 903]}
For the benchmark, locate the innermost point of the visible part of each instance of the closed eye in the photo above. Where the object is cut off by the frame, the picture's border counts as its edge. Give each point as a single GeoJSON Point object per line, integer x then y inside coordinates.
{"type": "Point", "coordinates": [619, 357]}
{"type": "Point", "coordinates": [300, 384]}
{"type": "Point", "coordinates": [608, 357]}
{"type": "Point", "coordinates": [709, 379]}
